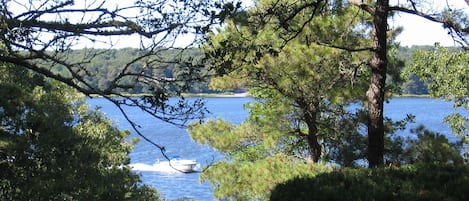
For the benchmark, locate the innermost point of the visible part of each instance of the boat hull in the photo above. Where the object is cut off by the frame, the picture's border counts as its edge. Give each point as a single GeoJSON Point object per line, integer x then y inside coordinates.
{"type": "Point", "coordinates": [169, 166]}
{"type": "Point", "coordinates": [185, 166]}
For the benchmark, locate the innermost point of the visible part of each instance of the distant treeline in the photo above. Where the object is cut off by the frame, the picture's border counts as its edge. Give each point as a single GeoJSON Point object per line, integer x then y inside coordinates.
{"type": "Point", "coordinates": [414, 85]}
{"type": "Point", "coordinates": [105, 65]}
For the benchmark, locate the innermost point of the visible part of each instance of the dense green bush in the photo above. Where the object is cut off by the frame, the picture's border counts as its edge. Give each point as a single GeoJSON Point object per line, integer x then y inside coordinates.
{"type": "Point", "coordinates": [413, 183]}
{"type": "Point", "coordinates": [54, 147]}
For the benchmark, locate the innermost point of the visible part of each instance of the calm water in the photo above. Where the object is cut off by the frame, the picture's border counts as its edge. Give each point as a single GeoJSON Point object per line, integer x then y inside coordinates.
{"type": "Point", "coordinates": [177, 141]}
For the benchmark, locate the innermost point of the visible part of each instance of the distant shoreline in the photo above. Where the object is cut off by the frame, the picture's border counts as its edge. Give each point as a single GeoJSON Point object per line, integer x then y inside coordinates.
{"type": "Point", "coordinates": [208, 95]}
{"type": "Point", "coordinates": [220, 95]}
{"type": "Point", "coordinates": [412, 96]}
{"type": "Point", "coordinates": [246, 94]}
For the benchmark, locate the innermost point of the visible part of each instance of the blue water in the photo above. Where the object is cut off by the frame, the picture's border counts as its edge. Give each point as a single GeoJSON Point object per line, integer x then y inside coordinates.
{"type": "Point", "coordinates": [177, 141]}
{"type": "Point", "coordinates": [428, 111]}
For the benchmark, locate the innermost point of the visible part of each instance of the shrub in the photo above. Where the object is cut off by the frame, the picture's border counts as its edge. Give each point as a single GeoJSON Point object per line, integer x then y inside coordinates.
{"type": "Point", "coordinates": [413, 183]}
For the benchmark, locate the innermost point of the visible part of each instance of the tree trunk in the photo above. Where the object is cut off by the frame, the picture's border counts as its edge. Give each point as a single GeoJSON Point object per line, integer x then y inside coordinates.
{"type": "Point", "coordinates": [376, 91]}
{"type": "Point", "coordinates": [313, 144]}
{"type": "Point", "coordinates": [314, 147]}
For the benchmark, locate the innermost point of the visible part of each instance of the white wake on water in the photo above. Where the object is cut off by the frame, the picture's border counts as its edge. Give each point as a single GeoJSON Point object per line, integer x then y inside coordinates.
{"type": "Point", "coordinates": [142, 167]}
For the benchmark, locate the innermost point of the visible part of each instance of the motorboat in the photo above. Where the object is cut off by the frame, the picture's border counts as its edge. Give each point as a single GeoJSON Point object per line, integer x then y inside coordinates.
{"type": "Point", "coordinates": [175, 163]}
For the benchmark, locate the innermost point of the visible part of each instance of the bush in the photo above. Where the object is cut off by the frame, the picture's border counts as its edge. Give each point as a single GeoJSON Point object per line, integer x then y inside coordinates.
{"type": "Point", "coordinates": [413, 183]}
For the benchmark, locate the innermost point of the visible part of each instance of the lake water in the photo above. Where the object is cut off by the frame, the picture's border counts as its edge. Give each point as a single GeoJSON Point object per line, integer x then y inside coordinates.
{"type": "Point", "coordinates": [177, 141]}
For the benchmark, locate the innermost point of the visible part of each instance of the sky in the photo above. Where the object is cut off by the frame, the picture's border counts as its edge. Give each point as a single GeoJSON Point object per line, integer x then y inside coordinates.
{"type": "Point", "coordinates": [419, 31]}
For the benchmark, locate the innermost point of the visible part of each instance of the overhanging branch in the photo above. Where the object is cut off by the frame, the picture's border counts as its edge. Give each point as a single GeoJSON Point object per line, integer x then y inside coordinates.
{"type": "Point", "coordinates": [346, 48]}
{"type": "Point", "coordinates": [40, 36]}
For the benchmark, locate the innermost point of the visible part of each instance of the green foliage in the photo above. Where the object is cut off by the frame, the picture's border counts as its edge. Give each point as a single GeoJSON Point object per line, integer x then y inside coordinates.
{"type": "Point", "coordinates": [239, 180]}
{"type": "Point", "coordinates": [413, 85]}
{"type": "Point", "coordinates": [348, 148]}
{"type": "Point", "coordinates": [394, 80]}
{"type": "Point", "coordinates": [302, 85]}
{"type": "Point", "coordinates": [227, 83]}
{"type": "Point", "coordinates": [53, 147]}
{"type": "Point", "coordinates": [459, 126]}
{"type": "Point", "coordinates": [434, 170]}
{"type": "Point", "coordinates": [249, 141]}
{"type": "Point", "coordinates": [447, 75]}
{"type": "Point", "coordinates": [432, 148]}
{"type": "Point", "coordinates": [260, 154]}
{"type": "Point", "coordinates": [111, 67]}
{"type": "Point", "coordinates": [301, 89]}
{"type": "Point", "coordinates": [107, 65]}
{"type": "Point", "coordinates": [423, 182]}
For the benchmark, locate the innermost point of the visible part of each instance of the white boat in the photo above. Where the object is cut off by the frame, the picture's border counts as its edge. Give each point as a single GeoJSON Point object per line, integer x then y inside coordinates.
{"type": "Point", "coordinates": [174, 165]}
{"type": "Point", "coordinates": [177, 164]}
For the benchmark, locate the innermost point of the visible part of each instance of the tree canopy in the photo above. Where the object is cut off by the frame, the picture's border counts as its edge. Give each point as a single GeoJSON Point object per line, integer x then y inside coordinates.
{"type": "Point", "coordinates": [304, 62]}
{"type": "Point", "coordinates": [302, 90]}
{"type": "Point", "coordinates": [290, 22]}
{"type": "Point", "coordinates": [53, 147]}
{"type": "Point", "coordinates": [39, 36]}
{"type": "Point", "coordinates": [312, 78]}
{"type": "Point", "coordinates": [446, 74]}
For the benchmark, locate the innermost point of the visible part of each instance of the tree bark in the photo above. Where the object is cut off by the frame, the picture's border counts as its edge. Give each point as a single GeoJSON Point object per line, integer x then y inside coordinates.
{"type": "Point", "coordinates": [376, 91]}
{"type": "Point", "coordinates": [313, 144]}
